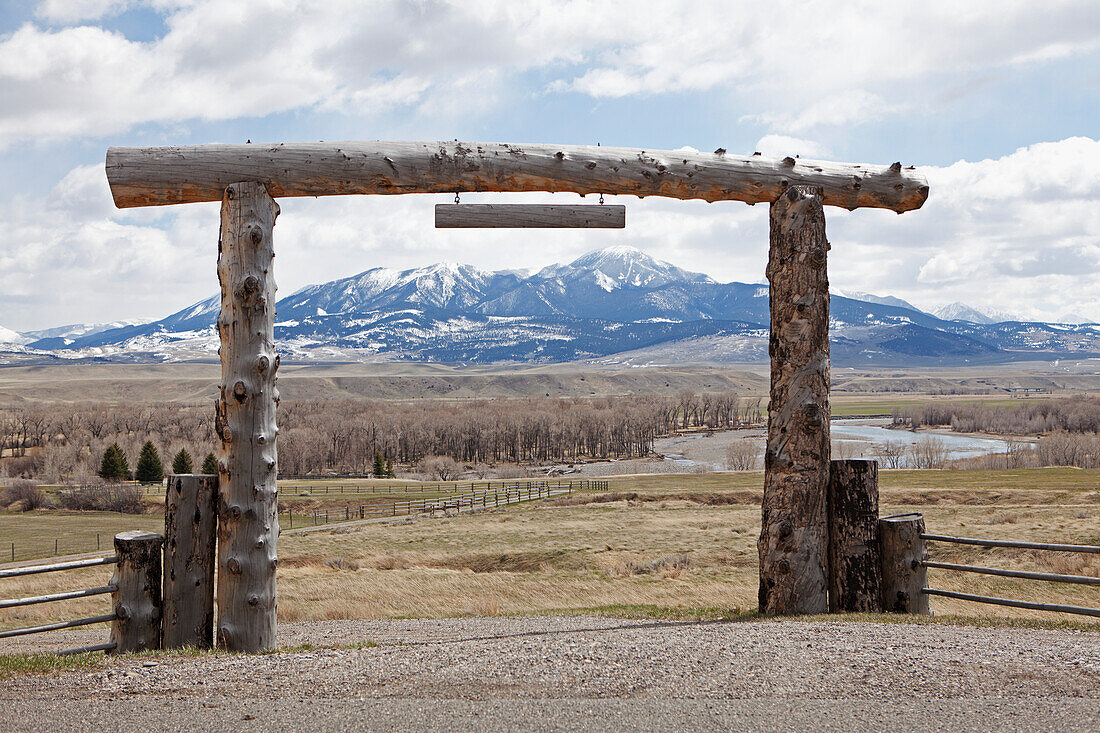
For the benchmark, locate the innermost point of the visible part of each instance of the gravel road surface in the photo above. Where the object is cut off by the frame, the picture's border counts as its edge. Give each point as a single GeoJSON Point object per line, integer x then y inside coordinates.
{"type": "Point", "coordinates": [587, 673]}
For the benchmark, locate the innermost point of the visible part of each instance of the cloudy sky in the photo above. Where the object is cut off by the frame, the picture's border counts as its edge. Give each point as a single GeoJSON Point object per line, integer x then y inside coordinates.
{"type": "Point", "coordinates": [997, 102]}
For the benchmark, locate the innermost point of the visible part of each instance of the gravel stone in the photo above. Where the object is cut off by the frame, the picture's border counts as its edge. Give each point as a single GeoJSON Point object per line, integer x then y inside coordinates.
{"type": "Point", "coordinates": [590, 673]}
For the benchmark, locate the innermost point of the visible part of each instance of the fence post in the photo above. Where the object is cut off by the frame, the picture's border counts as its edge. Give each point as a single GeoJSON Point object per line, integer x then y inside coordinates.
{"type": "Point", "coordinates": [855, 569]}
{"type": "Point", "coordinates": [137, 601]}
{"type": "Point", "coordinates": [903, 571]}
{"type": "Point", "coordinates": [190, 531]}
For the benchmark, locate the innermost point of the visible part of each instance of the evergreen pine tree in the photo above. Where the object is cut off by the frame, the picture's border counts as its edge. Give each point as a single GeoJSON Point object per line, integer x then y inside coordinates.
{"type": "Point", "coordinates": [182, 462]}
{"type": "Point", "coordinates": [389, 469]}
{"type": "Point", "coordinates": [114, 466]}
{"type": "Point", "coordinates": [149, 468]}
{"type": "Point", "coordinates": [379, 466]}
{"type": "Point", "coordinates": [210, 465]}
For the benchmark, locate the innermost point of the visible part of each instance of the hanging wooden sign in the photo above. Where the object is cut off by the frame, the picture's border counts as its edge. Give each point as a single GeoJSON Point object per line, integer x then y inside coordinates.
{"type": "Point", "coordinates": [530, 216]}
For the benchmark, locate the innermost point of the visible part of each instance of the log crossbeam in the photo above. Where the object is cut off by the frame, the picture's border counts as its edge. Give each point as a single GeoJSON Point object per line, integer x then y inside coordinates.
{"type": "Point", "coordinates": [157, 176]}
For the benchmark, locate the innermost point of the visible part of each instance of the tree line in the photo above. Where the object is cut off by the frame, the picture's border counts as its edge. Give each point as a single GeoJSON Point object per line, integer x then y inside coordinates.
{"type": "Point", "coordinates": [62, 443]}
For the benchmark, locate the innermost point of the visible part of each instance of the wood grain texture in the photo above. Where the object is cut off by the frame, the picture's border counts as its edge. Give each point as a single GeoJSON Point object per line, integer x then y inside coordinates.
{"type": "Point", "coordinates": [157, 176]}
{"type": "Point", "coordinates": [190, 539]}
{"type": "Point", "coordinates": [793, 542]}
{"type": "Point", "coordinates": [248, 525]}
{"type": "Point", "coordinates": [529, 216]}
{"type": "Point", "coordinates": [855, 569]}
{"type": "Point", "coordinates": [903, 574]}
{"type": "Point", "coordinates": [137, 601]}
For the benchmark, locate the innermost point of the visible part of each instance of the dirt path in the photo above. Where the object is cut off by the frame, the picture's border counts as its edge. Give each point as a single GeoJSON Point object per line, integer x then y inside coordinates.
{"type": "Point", "coordinates": [587, 673]}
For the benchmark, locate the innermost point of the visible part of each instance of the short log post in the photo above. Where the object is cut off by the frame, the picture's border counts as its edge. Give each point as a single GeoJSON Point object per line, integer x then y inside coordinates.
{"type": "Point", "coordinates": [855, 568]}
{"type": "Point", "coordinates": [137, 598]}
{"type": "Point", "coordinates": [190, 531]}
{"type": "Point", "coordinates": [903, 572]}
{"type": "Point", "coordinates": [794, 534]}
{"type": "Point", "coordinates": [248, 525]}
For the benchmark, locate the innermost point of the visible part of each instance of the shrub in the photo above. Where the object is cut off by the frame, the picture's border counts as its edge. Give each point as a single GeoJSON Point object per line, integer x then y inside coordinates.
{"type": "Point", "coordinates": [149, 469]}
{"type": "Point", "coordinates": [210, 465]}
{"type": "Point", "coordinates": [22, 496]}
{"type": "Point", "coordinates": [442, 468]}
{"type": "Point", "coordinates": [101, 497]}
{"type": "Point", "coordinates": [741, 455]}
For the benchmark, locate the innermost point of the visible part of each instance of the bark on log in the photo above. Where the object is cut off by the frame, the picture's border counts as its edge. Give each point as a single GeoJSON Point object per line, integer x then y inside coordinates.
{"type": "Point", "coordinates": [190, 531]}
{"type": "Point", "coordinates": [855, 569]}
{"type": "Point", "coordinates": [188, 173]}
{"type": "Point", "coordinates": [137, 600]}
{"type": "Point", "coordinates": [903, 574]}
{"type": "Point", "coordinates": [248, 526]}
{"type": "Point", "coordinates": [529, 216]}
{"type": "Point", "coordinates": [794, 534]}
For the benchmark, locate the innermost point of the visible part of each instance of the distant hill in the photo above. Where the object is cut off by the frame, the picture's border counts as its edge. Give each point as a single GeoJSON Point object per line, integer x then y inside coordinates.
{"type": "Point", "coordinates": [616, 303]}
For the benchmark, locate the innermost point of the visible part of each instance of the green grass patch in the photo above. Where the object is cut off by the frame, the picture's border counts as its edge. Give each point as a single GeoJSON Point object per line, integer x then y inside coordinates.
{"type": "Point", "coordinates": [23, 664]}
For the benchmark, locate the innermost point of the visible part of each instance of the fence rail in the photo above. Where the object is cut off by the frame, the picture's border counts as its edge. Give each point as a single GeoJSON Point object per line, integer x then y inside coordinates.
{"type": "Point", "coordinates": [1002, 572]}
{"type": "Point", "coordinates": [61, 596]}
{"type": "Point", "coordinates": [528, 491]}
{"type": "Point", "coordinates": [315, 487]}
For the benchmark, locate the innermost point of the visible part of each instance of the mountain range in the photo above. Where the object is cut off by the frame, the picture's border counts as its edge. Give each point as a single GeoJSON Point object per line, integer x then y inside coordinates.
{"type": "Point", "coordinates": [616, 304]}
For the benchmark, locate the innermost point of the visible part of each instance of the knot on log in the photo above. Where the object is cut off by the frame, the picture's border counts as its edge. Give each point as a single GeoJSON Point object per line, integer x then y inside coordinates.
{"type": "Point", "coordinates": [256, 234]}
{"type": "Point", "coordinates": [234, 566]}
{"type": "Point", "coordinates": [248, 289]}
{"type": "Point", "coordinates": [240, 391]}
{"type": "Point", "coordinates": [262, 364]}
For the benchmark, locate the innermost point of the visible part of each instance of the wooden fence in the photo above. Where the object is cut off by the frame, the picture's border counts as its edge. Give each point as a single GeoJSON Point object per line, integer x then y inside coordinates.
{"type": "Point", "coordinates": [136, 603]}
{"type": "Point", "coordinates": [529, 491]}
{"type": "Point", "coordinates": [906, 561]}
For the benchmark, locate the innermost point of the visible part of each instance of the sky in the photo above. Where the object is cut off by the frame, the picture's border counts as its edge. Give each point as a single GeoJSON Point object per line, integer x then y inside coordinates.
{"type": "Point", "coordinates": [997, 103]}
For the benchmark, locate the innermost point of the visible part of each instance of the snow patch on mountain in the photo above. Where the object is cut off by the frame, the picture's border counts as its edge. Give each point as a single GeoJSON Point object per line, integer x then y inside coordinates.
{"type": "Point", "coordinates": [962, 312]}
{"type": "Point", "coordinates": [8, 336]}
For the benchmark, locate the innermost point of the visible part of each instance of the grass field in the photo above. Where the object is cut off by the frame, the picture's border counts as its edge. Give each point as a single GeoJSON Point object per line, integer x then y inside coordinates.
{"type": "Point", "coordinates": [669, 545]}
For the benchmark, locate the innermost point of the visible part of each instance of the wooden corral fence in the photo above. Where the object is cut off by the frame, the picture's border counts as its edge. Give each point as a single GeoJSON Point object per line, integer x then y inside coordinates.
{"type": "Point", "coordinates": [135, 589]}
{"type": "Point", "coordinates": [484, 499]}
{"type": "Point", "coordinates": [905, 569]}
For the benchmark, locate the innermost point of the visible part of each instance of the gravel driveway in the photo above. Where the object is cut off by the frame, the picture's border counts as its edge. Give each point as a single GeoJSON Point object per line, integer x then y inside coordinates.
{"type": "Point", "coordinates": [586, 673]}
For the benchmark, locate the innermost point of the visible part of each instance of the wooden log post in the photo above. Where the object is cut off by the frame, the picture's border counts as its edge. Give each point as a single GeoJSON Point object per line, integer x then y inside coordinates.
{"type": "Point", "coordinates": [137, 598]}
{"type": "Point", "coordinates": [903, 571]}
{"type": "Point", "coordinates": [248, 525]}
{"type": "Point", "coordinates": [190, 532]}
{"type": "Point", "coordinates": [793, 542]}
{"type": "Point", "coordinates": [855, 568]}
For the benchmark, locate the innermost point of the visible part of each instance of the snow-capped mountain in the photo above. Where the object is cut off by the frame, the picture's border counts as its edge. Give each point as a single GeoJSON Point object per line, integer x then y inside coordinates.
{"type": "Point", "coordinates": [880, 299]}
{"type": "Point", "coordinates": [8, 336]}
{"type": "Point", "coordinates": [76, 330]}
{"type": "Point", "coordinates": [963, 312]}
{"type": "Point", "coordinates": [614, 301]}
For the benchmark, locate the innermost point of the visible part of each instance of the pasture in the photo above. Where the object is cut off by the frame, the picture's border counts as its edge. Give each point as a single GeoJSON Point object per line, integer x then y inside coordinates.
{"type": "Point", "coordinates": [669, 546]}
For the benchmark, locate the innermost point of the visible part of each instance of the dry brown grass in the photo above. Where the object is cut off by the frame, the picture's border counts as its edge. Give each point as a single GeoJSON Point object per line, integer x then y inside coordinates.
{"type": "Point", "coordinates": [676, 550]}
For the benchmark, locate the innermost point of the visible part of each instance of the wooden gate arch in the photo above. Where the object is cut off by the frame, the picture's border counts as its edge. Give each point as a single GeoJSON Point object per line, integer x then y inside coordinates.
{"type": "Point", "coordinates": [248, 178]}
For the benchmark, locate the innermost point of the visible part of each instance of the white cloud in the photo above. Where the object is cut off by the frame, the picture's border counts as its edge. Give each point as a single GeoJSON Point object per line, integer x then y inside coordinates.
{"type": "Point", "coordinates": [780, 146]}
{"type": "Point", "coordinates": [1017, 234]}
{"type": "Point", "coordinates": [831, 65]}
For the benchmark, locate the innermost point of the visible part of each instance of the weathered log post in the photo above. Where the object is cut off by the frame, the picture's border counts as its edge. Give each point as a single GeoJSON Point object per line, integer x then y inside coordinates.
{"type": "Point", "coordinates": [855, 569]}
{"type": "Point", "coordinates": [190, 531]}
{"type": "Point", "coordinates": [137, 597]}
{"type": "Point", "coordinates": [793, 541]}
{"type": "Point", "coordinates": [248, 525]}
{"type": "Point", "coordinates": [903, 571]}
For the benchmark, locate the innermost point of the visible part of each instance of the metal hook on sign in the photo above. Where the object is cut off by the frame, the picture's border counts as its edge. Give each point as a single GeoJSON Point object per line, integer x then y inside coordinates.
{"type": "Point", "coordinates": [456, 197]}
{"type": "Point", "coordinates": [601, 198]}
